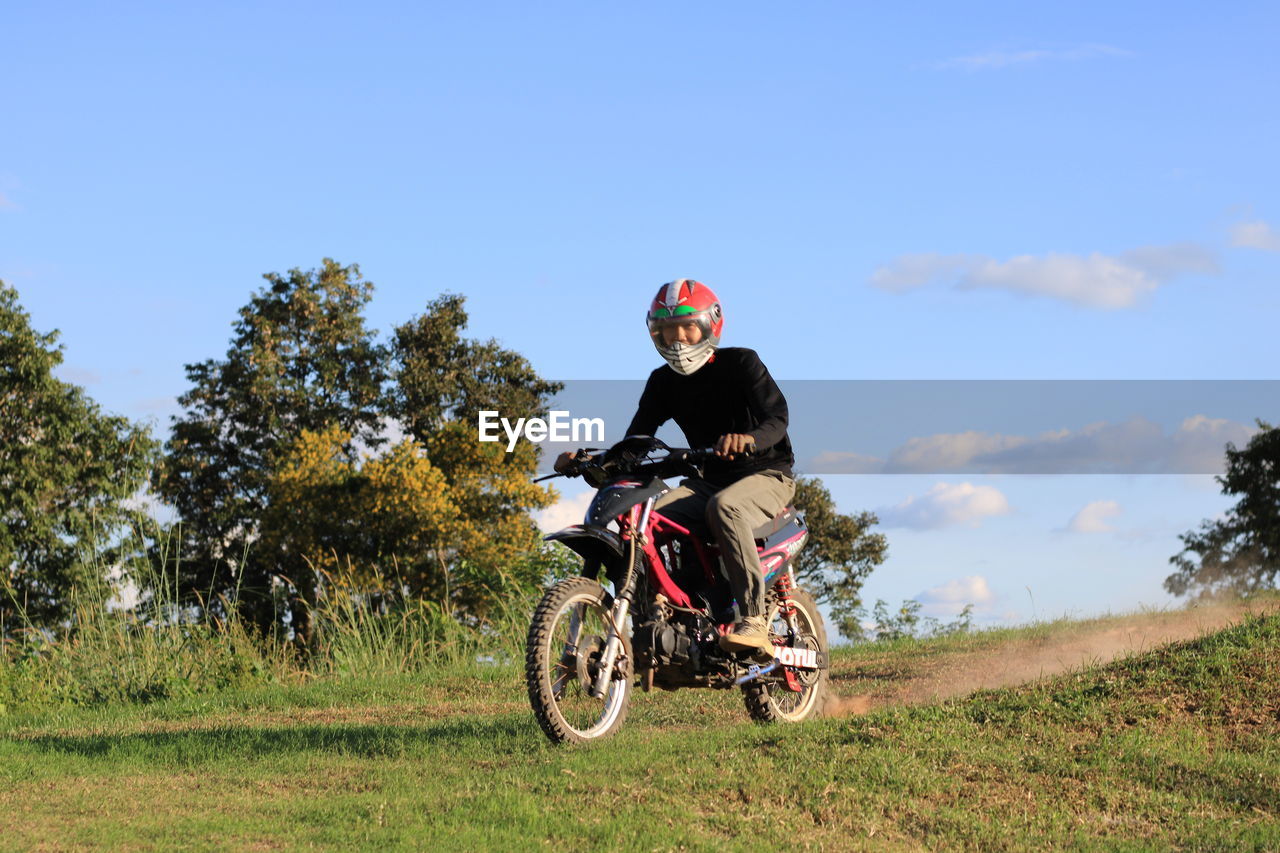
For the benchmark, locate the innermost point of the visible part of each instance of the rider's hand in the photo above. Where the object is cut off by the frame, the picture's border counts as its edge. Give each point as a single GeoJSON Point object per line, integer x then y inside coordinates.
{"type": "Point", "coordinates": [564, 461]}
{"type": "Point", "coordinates": [734, 443]}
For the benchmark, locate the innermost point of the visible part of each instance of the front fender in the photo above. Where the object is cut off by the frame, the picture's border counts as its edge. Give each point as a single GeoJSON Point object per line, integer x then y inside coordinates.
{"type": "Point", "coordinates": [593, 543]}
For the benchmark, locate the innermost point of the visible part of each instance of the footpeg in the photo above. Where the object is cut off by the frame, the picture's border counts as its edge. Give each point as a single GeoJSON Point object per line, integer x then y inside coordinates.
{"type": "Point", "coordinates": [755, 671]}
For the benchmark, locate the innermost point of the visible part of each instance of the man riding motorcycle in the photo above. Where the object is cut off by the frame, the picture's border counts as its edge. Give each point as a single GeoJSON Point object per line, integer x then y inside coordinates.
{"type": "Point", "coordinates": [726, 399]}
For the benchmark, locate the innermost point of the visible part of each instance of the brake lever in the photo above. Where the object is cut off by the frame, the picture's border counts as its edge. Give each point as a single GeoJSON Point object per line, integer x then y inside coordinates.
{"type": "Point", "coordinates": [578, 464]}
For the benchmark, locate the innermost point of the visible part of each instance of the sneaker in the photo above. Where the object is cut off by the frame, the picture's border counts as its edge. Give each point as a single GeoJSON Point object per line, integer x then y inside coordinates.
{"type": "Point", "coordinates": [749, 635]}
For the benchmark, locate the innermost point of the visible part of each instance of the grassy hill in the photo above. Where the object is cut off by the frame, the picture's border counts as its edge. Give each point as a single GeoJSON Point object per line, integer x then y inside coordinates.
{"type": "Point", "coordinates": [1174, 747]}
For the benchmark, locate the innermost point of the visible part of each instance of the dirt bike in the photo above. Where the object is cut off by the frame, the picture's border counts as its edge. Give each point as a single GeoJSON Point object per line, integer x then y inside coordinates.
{"type": "Point", "coordinates": [660, 627]}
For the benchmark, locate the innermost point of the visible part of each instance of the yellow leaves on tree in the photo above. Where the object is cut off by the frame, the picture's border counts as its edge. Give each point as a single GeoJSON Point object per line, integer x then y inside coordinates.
{"type": "Point", "coordinates": [452, 528]}
{"type": "Point", "coordinates": [494, 494]}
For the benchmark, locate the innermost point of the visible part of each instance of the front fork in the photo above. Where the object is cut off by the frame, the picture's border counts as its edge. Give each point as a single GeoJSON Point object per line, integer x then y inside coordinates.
{"type": "Point", "coordinates": [638, 524]}
{"type": "Point", "coordinates": [612, 648]}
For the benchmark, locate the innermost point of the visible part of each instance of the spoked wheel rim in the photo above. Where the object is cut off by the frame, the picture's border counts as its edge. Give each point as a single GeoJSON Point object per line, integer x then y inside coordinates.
{"type": "Point", "coordinates": [573, 646]}
{"type": "Point", "coordinates": [787, 703]}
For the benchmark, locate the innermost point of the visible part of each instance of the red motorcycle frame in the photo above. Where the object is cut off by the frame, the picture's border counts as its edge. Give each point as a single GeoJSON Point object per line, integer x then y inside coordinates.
{"type": "Point", "coordinates": [585, 644]}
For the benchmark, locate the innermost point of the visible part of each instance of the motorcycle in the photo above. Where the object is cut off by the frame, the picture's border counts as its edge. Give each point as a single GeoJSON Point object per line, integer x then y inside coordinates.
{"type": "Point", "coordinates": [660, 626]}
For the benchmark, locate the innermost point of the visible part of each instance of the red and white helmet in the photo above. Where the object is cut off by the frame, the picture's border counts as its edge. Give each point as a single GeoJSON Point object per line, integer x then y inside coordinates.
{"type": "Point", "coordinates": [682, 301]}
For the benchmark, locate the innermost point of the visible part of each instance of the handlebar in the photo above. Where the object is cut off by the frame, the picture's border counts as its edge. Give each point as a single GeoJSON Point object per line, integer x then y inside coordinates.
{"type": "Point", "coordinates": [629, 456]}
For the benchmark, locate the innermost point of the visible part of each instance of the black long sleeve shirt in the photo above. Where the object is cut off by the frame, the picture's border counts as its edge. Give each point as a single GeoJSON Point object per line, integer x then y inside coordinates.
{"type": "Point", "coordinates": [732, 393]}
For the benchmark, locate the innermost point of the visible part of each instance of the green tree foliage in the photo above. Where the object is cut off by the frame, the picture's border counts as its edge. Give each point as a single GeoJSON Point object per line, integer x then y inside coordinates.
{"type": "Point", "coordinates": [842, 551]}
{"type": "Point", "coordinates": [441, 380]}
{"type": "Point", "coordinates": [300, 359]}
{"type": "Point", "coordinates": [266, 472]}
{"type": "Point", "coordinates": [906, 622]}
{"type": "Point", "coordinates": [1239, 553]}
{"type": "Point", "coordinates": [67, 472]}
{"type": "Point", "coordinates": [440, 376]}
{"type": "Point", "coordinates": [392, 523]}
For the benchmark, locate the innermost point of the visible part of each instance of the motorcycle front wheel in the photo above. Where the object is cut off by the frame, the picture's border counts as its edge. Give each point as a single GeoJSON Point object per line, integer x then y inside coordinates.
{"type": "Point", "coordinates": [566, 639]}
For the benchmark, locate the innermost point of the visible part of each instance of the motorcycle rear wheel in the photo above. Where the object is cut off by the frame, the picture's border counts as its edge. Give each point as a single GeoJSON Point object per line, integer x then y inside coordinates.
{"type": "Point", "coordinates": [773, 702]}
{"type": "Point", "coordinates": [565, 640]}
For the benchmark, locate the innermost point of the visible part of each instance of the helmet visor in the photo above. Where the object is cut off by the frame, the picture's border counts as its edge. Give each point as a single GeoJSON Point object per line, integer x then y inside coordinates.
{"type": "Point", "coordinates": [675, 319]}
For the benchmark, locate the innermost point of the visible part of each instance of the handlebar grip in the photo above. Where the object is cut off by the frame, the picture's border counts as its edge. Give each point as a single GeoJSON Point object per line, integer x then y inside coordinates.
{"type": "Point", "coordinates": [710, 453]}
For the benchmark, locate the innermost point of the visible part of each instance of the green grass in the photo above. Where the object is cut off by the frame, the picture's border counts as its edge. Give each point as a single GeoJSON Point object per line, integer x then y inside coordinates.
{"type": "Point", "coordinates": [1175, 748]}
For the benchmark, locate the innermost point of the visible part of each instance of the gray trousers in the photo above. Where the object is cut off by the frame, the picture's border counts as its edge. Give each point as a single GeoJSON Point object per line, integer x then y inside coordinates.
{"type": "Point", "coordinates": [733, 513]}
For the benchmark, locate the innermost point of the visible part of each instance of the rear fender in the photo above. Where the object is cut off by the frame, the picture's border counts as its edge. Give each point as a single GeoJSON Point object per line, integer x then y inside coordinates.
{"type": "Point", "coordinates": [779, 550]}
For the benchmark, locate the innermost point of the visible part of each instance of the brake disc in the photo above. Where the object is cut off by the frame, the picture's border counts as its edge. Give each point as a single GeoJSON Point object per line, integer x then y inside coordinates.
{"type": "Point", "coordinates": [590, 649]}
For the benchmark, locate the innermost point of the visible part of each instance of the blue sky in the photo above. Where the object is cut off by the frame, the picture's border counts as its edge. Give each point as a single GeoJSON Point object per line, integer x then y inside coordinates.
{"type": "Point", "coordinates": [885, 191]}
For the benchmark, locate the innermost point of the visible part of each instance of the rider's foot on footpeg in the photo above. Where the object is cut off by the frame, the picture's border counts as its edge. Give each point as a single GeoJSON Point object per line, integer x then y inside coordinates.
{"type": "Point", "coordinates": [749, 635]}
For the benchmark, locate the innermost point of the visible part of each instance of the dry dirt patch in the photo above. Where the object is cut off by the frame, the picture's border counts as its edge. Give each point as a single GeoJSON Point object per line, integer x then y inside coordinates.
{"type": "Point", "coordinates": [957, 673]}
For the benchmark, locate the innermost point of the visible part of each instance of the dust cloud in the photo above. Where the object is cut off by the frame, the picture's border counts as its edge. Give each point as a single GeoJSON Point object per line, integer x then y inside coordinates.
{"type": "Point", "coordinates": [1028, 659]}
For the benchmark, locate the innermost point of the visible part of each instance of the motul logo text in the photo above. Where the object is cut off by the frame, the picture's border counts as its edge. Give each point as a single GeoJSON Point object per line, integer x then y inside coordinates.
{"type": "Point", "coordinates": [804, 658]}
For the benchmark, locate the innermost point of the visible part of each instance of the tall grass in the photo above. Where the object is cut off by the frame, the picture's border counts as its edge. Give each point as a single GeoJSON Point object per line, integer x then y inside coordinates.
{"type": "Point", "coordinates": [157, 647]}
{"type": "Point", "coordinates": [361, 632]}
{"type": "Point", "coordinates": [109, 651]}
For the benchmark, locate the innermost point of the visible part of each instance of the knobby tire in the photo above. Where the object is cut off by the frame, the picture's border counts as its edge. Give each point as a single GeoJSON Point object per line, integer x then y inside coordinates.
{"type": "Point", "coordinates": [556, 692]}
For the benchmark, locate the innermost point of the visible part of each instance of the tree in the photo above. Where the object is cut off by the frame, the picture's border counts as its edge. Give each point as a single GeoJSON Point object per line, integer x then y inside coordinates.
{"type": "Point", "coordinates": [841, 552]}
{"type": "Point", "coordinates": [266, 467]}
{"type": "Point", "coordinates": [67, 474]}
{"type": "Point", "coordinates": [440, 382]}
{"type": "Point", "coordinates": [441, 377]}
{"type": "Point", "coordinates": [1239, 553]}
{"type": "Point", "coordinates": [907, 622]}
{"type": "Point", "coordinates": [367, 523]}
{"type": "Point", "coordinates": [392, 523]}
{"type": "Point", "coordinates": [300, 359]}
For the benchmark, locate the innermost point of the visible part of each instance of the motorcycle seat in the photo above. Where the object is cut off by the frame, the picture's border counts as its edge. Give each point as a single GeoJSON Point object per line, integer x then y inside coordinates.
{"type": "Point", "coordinates": [774, 524]}
{"type": "Point", "coordinates": [762, 533]}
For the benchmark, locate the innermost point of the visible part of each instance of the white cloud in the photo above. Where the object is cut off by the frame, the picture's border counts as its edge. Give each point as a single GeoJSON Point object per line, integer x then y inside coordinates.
{"type": "Point", "coordinates": [563, 513]}
{"type": "Point", "coordinates": [1137, 445]}
{"type": "Point", "coordinates": [838, 462]}
{"type": "Point", "coordinates": [950, 598]}
{"type": "Point", "coordinates": [949, 451]}
{"type": "Point", "coordinates": [911, 271]}
{"type": "Point", "coordinates": [1199, 444]}
{"type": "Point", "coordinates": [6, 203]}
{"type": "Point", "coordinates": [1174, 259]}
{"type": "Point", "coordinates": [1256, 235]}
{"type": "Point", "coordinates": [78, 375]}
{"type": "Point", "coordinates": [1092, 517]}
{"type": "Point", "coordinates": [1005, 58]}
{"type": "Point", "coordinates": [1095, 280]}
{"type": "Point", "coordinates": [156, 405]}
{"type": "Point", "coordinates": [1094, 447]}
{"type": "Point", "coordinates": [946, 505]}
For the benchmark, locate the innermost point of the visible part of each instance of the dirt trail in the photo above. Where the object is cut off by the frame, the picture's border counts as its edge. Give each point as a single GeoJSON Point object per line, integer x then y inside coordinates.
{"type": "Point", "coordinates": [1021, 661]}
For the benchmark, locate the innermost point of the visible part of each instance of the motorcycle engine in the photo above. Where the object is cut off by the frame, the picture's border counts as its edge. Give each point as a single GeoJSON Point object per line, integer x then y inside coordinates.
{"type": "Point", "coordinates": [676, 642]}
{"type": "Point", "coordinates": [671, 643]}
